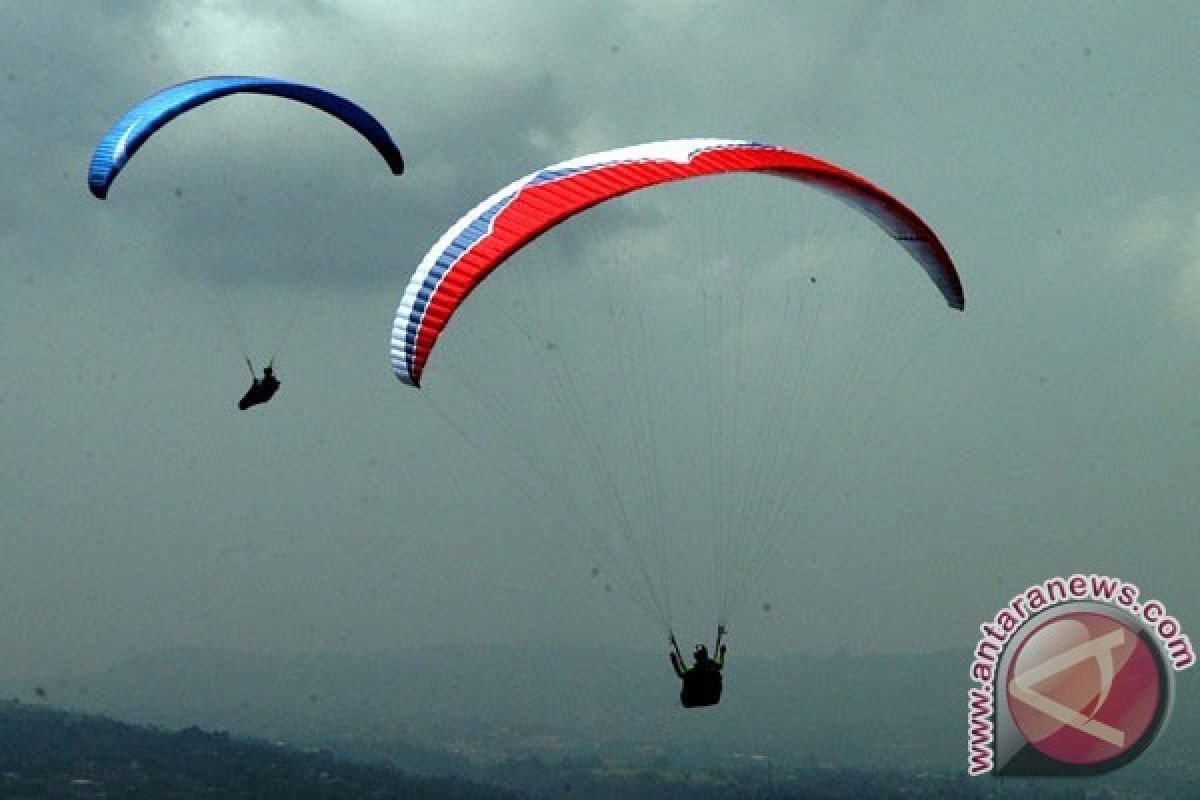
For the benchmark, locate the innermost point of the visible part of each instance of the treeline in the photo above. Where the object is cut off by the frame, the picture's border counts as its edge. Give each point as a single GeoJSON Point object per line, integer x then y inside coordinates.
{"type": "Point", "coordinates": [45, 753]}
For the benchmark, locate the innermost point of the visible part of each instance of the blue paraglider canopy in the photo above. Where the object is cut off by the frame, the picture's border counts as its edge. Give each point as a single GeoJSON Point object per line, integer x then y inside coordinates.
{"type": "Point", "coordinates": [140, 122]}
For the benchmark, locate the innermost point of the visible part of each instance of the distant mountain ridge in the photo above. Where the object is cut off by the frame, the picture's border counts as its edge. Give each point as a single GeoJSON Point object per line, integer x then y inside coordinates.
{"type": "Point", "coordinates": [437, 709]}
{"type": "Point", "coordinates": [50, 753]}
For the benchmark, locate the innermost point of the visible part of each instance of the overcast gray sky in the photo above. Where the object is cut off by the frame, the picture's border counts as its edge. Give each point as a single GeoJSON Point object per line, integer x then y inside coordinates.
{"type": "Point", "coordinates": [1051, 428]}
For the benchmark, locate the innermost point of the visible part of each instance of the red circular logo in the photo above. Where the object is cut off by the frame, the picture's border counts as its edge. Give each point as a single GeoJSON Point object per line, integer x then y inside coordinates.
{"type": "Point", "coordinates": [1084, 688]}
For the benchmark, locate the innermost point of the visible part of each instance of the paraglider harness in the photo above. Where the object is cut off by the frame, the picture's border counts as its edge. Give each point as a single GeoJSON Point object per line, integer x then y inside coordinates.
{"type": "Point", "coordinates": [262, 389]}
{"type": "Point", "coordinates": [702, 682]}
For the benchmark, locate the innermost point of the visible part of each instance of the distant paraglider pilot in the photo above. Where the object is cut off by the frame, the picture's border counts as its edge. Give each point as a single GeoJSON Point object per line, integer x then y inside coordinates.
{"type": "Point", "coordinates": [262, 390]}
{"type": "Point", "coordinates": [702, 681]}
